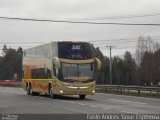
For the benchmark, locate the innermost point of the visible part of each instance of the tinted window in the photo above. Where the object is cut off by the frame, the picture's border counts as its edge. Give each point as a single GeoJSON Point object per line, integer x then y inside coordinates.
{"type": "Point", "coordinates": [40, 73]}
{"type": "Point", "coordinates": [79, 50]}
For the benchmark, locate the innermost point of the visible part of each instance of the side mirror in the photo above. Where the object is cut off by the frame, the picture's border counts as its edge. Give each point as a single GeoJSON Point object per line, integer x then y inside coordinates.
{"type": "Point", "coordinates": [98, 63]}
{"type": "Point", "coordinates": [57, 62]}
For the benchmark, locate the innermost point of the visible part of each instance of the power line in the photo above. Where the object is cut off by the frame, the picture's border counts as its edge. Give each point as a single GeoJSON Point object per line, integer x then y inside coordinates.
{"type": "Point", "coordinates": [78, 22]}
{"type": "Point", "coordinates": [120, 48]}
{"type": "Point", "coordinates": [98, 41]}
{"type": "Point", "coordinates": [143, 28]}
{"type": "Point", "coordinates": [120, 17]}
{"type": "Point", "coordinates": [115, 42]}
{"type": "Point", "coordinates": [118, 42]}
{"type": "Point", "coordinates": [20, 42]}
{"type": "Point", "coordinates": [8, 47]}
{"type": "Point", "coordinates": [114, 17]}
{"type": "Point", "coordinates": [119, 39]}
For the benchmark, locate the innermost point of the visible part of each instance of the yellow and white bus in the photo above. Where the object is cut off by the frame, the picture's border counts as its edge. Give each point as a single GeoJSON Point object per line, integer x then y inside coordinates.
{"type": "Point", "coordinates": [60, 68]}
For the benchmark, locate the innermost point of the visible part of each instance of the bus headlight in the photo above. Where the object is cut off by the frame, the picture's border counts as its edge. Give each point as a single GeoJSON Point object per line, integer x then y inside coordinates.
{"type": "Point", "coordinates": [61, 91]}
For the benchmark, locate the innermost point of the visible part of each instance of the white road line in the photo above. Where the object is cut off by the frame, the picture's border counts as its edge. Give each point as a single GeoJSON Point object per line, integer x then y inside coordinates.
{"type": "Point", "coordinates": [139, 97]}
{"type": "Point", "coordinates": [113, 106]}
{"type": "Point", "coordinates": [127, 101]}
{"type": "Point", "coordinates": [127, 112]}
{"type": "Point", "coordinates": [72, 102]}
{"type": "Point", "coordinates": [93, 106]}
{"type": "Point", "coordinates": [81, 104]}
{"type": "Point", "coordinates": [106, 108]}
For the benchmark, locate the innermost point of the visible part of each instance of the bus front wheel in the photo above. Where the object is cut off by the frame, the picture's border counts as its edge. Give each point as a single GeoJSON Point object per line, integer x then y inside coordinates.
{"type": "Point", "coordinates": [53, 96]}
{"type": "Point", "coordinates": [82, 96]}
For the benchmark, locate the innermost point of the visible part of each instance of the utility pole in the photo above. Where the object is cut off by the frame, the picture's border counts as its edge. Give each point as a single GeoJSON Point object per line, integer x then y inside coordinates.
{"type": "Point", "coordinates": [110, 65]}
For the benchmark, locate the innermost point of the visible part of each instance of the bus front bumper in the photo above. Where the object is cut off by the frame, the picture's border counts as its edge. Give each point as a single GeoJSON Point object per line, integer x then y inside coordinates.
{"type": "Point", "coordinates": [75, 91]}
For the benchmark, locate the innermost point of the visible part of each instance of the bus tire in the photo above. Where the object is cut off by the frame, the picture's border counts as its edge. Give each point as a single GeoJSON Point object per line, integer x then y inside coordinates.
{"type": "Point", "coordinates": [82, 97]}
{"type": "Point", "coordinates": [51, 94]}
{"type": "Point", "coordinates": [29, 89]}
{"type": "Point", "coordinates": [30, 92]}
{"type": "Point", "coordinates": [35, 93]}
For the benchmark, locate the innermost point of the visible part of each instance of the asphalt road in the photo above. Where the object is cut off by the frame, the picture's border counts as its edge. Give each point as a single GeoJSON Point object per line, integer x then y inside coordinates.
{"type": "Point", "coordinates": [15, 100]}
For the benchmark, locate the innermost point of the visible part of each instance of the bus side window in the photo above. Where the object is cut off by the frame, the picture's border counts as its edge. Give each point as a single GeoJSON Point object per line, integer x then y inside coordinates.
{"type": "Point", "coordinates": [33, 74]}
{"type": "Point", "coordinates": [40, 73]}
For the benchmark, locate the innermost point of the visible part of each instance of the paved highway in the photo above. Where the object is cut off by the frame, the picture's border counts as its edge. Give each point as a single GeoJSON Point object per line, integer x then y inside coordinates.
{"type": "Point", "coordinates": [15, 100]}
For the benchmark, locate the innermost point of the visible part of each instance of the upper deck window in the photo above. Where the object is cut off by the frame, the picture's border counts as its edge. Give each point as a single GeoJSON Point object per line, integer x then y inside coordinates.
{"type": "Point", "coordinates": [77, 50]}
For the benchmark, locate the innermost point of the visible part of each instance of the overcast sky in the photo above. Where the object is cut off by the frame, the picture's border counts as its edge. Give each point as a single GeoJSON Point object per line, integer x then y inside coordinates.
{"type": "Point", "coordinates": [79, 10]}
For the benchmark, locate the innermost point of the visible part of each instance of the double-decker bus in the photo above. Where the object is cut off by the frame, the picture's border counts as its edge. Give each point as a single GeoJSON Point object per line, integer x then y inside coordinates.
{"type": "Point", "coordinates": [60, 68]}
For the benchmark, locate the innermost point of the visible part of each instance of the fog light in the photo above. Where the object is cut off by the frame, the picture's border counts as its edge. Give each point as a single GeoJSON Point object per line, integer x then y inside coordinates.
{"type": "Point", "coordinates": [61, 91]}
{"type": "Point", "coordinates": [93, 91]}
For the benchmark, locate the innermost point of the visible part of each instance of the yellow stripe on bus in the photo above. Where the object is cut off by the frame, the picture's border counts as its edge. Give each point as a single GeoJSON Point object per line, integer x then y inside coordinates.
{"type": "Point", "coordinates": [76, 61]}
{"type": "Point", "coordinates": [37, 79]}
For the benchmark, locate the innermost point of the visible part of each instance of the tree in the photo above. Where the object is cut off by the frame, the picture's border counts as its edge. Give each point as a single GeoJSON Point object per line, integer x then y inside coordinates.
{"type": "Point", "coordinates": [156, 75]}
{"type": "Point", "coordinates": [145, 44]}
{"type": "Point", "coordinates": [117, 70]}
{"type": "Point", "coordinates": [150, 68]}
{"type": "Point", "coordinates": [124, 70]}
{"type": "Point", "coordinates": [147, 62]}
{"type": "Point", "coordinates": [19, 61]}
{"type": "Point", "coordinates": [10, 63]}
{"type": "Point", "coordinates": [4, 49]}
{"type": "Point", "coordinates": [130, 68]}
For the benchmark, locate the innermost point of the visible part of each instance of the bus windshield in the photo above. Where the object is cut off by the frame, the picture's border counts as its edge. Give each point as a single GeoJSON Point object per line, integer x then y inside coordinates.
{"type": "Point", "coordinates": [77, 72]}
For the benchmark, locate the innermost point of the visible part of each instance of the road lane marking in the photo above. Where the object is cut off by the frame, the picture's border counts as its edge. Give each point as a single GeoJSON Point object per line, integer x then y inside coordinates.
{"type": "Point", "coordinates": [81, 104]}
{"type": "Point", "coordinates": [93, 106]}
{"type": "Point", "coordinates": [72, 102]}
{"type": "Point", "coordinates": [127, 112]}
{"type": "Point", "coordinates": [106, 108]}
{"type": "Point", "coordinates": [137, 97]}
{"type": "Point", "coordinates": [127, 101]}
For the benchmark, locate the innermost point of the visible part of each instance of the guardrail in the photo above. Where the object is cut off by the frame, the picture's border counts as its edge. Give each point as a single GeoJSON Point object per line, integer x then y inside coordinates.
{"type": "Point", "coordinates": [122, 88]}
{"type": "Point", "coordinates": [9, 83]}
{"type": "Point", "coordinates": [119, 88]}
